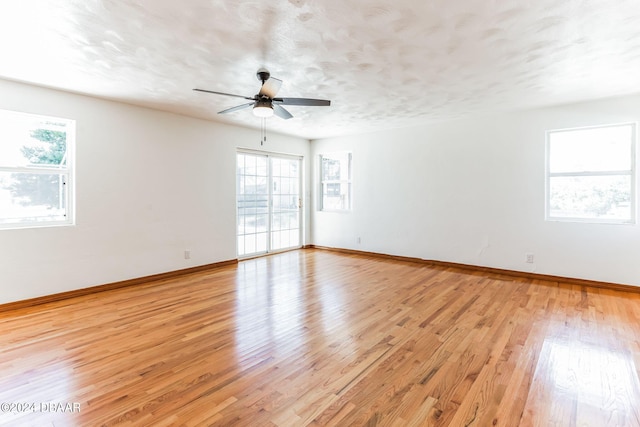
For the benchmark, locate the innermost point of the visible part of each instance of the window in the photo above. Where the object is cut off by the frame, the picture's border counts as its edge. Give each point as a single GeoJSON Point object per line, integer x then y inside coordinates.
{"type": "Point", "coordinates": [335, 181]}
{"type": "Point", "coordinates": [36, 170]}
{"type": "Point", "coordinates": [591, 174]}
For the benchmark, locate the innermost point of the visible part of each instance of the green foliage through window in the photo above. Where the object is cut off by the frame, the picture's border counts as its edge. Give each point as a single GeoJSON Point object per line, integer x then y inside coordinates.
{"type": "Point", "coordinates": [35, 170]}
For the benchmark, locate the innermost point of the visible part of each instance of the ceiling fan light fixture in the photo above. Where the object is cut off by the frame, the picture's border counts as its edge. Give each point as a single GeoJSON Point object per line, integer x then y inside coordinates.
{"type": "Point", "coordinates": [263, 109]}
{"type": "Point", "coordinates": [262, 103]}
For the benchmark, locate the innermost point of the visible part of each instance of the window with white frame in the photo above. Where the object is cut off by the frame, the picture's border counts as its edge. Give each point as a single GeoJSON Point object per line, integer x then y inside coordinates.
{"type": "Point", "coordinates": [591, 174]}
{"type": "Point", "coordinates": [36, 170]}
{"type": "Point", "coordinates": [335, 181]}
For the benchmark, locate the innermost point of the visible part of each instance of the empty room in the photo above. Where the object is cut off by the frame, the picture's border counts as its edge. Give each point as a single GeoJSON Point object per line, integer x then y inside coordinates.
{"type": "Point", "coordinates": [336, 213]}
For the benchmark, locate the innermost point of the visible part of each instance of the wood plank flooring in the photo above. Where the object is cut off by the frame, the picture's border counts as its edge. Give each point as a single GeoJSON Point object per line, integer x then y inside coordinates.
{"type": "Point", "coordinates": [317, 338]}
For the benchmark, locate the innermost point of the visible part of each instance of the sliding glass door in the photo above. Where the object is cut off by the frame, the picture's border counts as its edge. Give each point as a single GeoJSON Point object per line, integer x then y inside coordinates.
{"type": "Point", "coordinates": [252, 185]}
{"type": "Point", "coordinates": [268, 203]}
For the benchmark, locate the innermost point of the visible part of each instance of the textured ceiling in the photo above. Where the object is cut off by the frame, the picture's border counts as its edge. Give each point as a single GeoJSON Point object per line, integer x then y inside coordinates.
{"type": "Point", "coordinates": [383, 64]}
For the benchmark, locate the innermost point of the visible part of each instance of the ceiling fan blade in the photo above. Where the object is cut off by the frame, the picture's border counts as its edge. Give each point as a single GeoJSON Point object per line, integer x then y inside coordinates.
{"type": "Point", "coordinates": [303, 101]}
{"type": "Point", "coordinates": [222, 93]}
{"type": "Point", "coordinates": [236, 108]}
{"type": "Point", "coordinates": [281, 112]}
{"type": "Point", "coordinates": [270, 87]}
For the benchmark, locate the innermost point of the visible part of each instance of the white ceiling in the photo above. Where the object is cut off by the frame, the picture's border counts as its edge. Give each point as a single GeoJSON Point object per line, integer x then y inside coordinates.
{"type": "Point", "coordinates": [382, 63]}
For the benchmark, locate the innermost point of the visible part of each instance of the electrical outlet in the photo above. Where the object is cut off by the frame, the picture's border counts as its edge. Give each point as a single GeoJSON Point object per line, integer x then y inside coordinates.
{"type": "Point", "coordinates": [529, 258]}
{"type": "Point", "coordinates": [187, 254]}
{"type": "Point", "coordinates": [359, 240]}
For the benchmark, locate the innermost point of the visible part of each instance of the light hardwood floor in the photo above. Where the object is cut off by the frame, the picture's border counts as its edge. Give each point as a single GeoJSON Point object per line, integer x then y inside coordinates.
{"type": "Point", "coordinates": [319, 338]}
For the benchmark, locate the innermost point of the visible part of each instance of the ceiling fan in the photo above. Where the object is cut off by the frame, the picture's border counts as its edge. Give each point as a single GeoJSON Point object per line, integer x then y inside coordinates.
{"type": "Point", "coordinates": [265, 103]}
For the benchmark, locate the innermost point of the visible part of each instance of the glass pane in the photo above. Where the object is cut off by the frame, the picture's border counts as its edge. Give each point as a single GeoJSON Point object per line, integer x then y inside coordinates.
{"type": "Point", "coordinates": [590, 197]}
{"type": "Point", "coordinates": [261, 185]}
{"type": "Point", "coordinates": [275, 167]}
{"type": "Point", "coordinates": [261, 166]}
{"type": "Point", "coordinates": [247, 204]}
{"type": "Point", "coordinates": [280, 240]}
{"type": "Point", "coordinates": [590, 150]}
{"type": "Point", "coordinates": [250, 165]}
{"type": "Point", "coordinates": [294, 222]}
{"type": "Point", "coordinates": [335, 195]}
{"type": "Point", "coordinates": [30, 197]}
{"type": "Point", "coordinates": [284, 221]}
{"type": "Point", "coordinates": [275, 203]}
{"type": "Point", "coordinates": [240, 225]}
{"type": "Point", "coordinates": [261, 223]}
{"type": "Point", "coordinates": [262, 203]}
{"type": "Point", "coordinates": [250, 244]}
{"type": "Point", "coordinates": [284, 240]}
{"type": "Point", "coordinates": [249, 184]}
{"type": "Point", "coordinates": [336, 166]}
{"type": "Point", "coordinates": [276, 221]}
{"type": "Point", "coordinates": [275, 240]}
{"type": "Point", "coordinates": [261, 242]}
{"type": "Point", "coordinates": [294, 168]}
{"type": "Point", "coordinates": [294, 238]}
{"type": "Point", "coordinates": [250, 224]}
{"type": "Point", "coordinates": [32, 140]}
{"type": "Point", "coordinates": [277, 185]}
{"type": "Point", "coordinates": [284, 168]}
{"type": "Point", "coordinates": [285, 186]}
{"type": "Point", "coordinates": [291, 202]}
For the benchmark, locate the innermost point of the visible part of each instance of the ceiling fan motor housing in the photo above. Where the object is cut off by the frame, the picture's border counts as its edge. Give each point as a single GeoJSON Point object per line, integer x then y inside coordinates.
{"type": "Point", "coordinates": [266, 103]}
{"type": "Point", "coordinates": [263, 75]}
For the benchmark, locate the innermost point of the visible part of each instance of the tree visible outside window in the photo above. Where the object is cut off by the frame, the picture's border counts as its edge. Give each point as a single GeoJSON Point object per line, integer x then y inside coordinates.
{"type": "Point", "coordinates": [591, 174]}
{"type": "Point", "coordinates": [35, 170]}
{"type": "Point", "coordinates": [335, 181]}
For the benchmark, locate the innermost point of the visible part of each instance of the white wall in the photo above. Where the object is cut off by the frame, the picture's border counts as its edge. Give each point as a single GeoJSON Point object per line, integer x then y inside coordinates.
{"type": "Point", "coordinates": [472, 192]}
{"type": "Point", "coordinates": [148, 186]}
{"type": "Point", "coordinates": [151, 184]}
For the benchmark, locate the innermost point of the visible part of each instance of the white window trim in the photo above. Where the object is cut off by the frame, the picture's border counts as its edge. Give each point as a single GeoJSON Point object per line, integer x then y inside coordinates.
{"type": "Point", "coordinates": [67, 170]}
{"type": "Point", "coordinates": [631, 172]}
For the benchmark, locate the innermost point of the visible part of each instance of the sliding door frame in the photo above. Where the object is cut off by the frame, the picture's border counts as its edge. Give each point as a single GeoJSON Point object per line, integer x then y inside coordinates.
{"type": "Point", "coordinates": [301, 206]}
